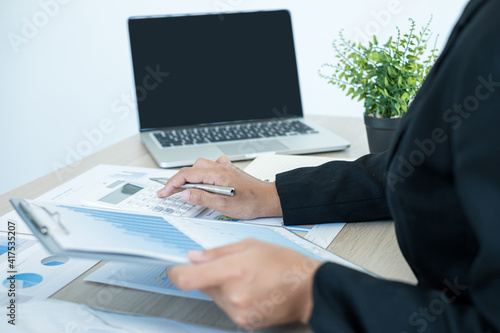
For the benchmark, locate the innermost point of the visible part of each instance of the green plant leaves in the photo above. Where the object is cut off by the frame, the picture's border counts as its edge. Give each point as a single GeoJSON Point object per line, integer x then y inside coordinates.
{"type": "Point", "coordinates": [386, 77]}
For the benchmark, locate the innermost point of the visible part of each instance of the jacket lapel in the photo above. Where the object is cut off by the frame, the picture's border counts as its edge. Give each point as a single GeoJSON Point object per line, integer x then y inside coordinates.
{"type": "Point", "coordinates": [472, 7]}
{"type": "Point", "coordinates": [469, 11]}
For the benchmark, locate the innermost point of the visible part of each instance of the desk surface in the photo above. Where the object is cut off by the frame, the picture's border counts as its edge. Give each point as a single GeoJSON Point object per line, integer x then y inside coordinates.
{"type": "Point", "coordinates": [370, 245]}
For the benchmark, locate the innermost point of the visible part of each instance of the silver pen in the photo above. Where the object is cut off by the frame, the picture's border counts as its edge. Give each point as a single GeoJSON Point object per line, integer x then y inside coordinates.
{"type": "Point", "coordinates": [205, 187]}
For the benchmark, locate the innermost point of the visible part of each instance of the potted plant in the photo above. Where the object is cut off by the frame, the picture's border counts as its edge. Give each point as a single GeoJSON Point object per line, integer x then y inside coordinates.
{"type": "Point", "coordinates": [386, 77]}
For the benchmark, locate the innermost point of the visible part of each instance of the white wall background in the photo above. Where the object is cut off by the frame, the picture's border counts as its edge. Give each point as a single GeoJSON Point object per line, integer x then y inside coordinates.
{"type": "Point", "coordinates": [65, 69]}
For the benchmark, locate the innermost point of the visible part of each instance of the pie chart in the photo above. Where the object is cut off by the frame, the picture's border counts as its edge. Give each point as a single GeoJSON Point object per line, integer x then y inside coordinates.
{"type": "Point", "coordinates": [54, 261]}
{"type": "Point", "coordinates": [25, 280]}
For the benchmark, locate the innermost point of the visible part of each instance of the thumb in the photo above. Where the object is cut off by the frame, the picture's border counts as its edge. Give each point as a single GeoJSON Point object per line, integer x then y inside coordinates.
{"type": "Point", "coordinates": [223, 160]}
{"type": "Point", "coordinates": [199, 197]}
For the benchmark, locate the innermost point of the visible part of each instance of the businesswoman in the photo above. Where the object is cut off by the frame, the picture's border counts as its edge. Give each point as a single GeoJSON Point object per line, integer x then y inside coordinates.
{"type": "Point", "coordinates": [439, 181]}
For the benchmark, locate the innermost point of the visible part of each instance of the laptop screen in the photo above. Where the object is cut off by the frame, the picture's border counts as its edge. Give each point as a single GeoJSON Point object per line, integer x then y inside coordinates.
{"type": "Point", "coordinates": [216, 68]}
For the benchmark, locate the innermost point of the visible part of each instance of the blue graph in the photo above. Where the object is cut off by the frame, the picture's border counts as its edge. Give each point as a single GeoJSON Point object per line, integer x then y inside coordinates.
{"type": "Point", "coordinates": [54, 261]}
{"type": "Point", "coordinates": [25, 280]}
{"type": "Point", "coordinates": [4, 245]}
{"type": "Point", "coordinates": [143, 277]}
{"type": "Point", "coordinates": [3, 248]}
{"type": "Point", "coordinates": [162, 236]}
{"type": "Point", "coordinates": [152, 229]}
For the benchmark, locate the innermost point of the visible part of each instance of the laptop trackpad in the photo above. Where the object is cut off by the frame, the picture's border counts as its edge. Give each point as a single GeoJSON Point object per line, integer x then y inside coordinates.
{"type": "Point", "coordinates": [251, 147]}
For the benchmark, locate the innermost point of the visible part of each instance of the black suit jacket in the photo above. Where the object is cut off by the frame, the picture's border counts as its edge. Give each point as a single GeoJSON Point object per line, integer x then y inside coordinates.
{"type": "Point", "coordinates": [440, 182]}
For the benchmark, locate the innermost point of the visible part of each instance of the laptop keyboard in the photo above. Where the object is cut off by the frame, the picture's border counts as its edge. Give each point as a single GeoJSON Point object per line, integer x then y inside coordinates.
{"type": "Point", "coordinates": [194, 136]}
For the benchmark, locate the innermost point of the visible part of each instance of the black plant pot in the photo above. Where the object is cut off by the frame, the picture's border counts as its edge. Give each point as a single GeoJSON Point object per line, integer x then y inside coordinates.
{"type": "Point", "coordinates": [380, 132]}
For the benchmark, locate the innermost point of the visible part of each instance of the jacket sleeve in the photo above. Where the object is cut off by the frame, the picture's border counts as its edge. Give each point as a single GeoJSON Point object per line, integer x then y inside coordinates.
{"type": "Point", "coordinates": [337, 191]}
{"type": "Point", "coordinates": [475, 141]}
{"type": "Point", "coordinates": [350, 301]}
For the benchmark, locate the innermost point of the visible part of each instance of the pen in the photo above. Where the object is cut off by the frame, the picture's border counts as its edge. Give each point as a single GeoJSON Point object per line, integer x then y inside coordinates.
{"type": "Point", "coordinates": [209, 188]}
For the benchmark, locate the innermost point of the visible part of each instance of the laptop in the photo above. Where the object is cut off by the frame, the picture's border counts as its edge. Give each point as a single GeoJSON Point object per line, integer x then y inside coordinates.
{"type": "Point", "coordinates": [221, 84]}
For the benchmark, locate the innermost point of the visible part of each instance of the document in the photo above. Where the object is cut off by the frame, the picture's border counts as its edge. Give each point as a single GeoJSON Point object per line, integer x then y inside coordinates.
{"type": "Point", "coordinates": [145, 277]}
{"type": "Point", "coordinates": [77, 231]}
{"type": "Point", "coordinates": [72, 317]}
{"type": "Point", "coordinates": [264, 167]}
{"type": "Point", "coordinates": [33, 273]}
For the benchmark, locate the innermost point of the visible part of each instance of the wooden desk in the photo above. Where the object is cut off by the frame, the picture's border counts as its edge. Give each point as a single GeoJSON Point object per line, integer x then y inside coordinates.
{"type": "Point", "coordinates": [371, 245]}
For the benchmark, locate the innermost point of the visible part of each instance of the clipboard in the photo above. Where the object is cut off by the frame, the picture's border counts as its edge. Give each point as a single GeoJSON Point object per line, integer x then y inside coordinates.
{"type": "Point", "coordinates": [50, 225]}
{"type": "Point", "coordinates": [106, 234]}
{"type": "Point", "coordinates": [39, 229]}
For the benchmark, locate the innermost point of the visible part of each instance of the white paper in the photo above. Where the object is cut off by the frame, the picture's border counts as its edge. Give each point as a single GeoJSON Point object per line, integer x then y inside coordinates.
{"type": "Point", "coordinates": [21, 227]}
{"type": "Point", "coordinates": [151, 278]}
{"type": "Point", "coordinates": [60, 316]}
{"type": "Point", "coordinates": [166, 238]}
{"type": "Point", "coordinates": [74, 190]}
{"type": "Point", "coordinates": [38, 274]}
{"type": "Point", "coordinates": [264, 167]}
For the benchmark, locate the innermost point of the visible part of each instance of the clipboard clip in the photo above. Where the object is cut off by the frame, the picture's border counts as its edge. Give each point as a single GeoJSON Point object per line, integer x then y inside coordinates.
{"type": "Point", "coordinates": [56, 216]}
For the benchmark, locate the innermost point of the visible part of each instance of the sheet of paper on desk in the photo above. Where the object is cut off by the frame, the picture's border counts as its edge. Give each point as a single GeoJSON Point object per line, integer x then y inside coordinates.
{"type": "Point", "coordinates": [320, 234]}
{"type": "Point", "coordinates": [58, 316]}
{"type": "Point", "coordinates": [151, 278]}
{"type": "Point", "coordinates": [207, 234]}
{"type": "Point", "coordinates": [134, 237]}
{"type": "Point", "coordinates": [37, 273]}
{"type": "Point", "coordinates": [266, 167]}
{"type": "Point", "coordinates": [138, 237]}
{"type": "Point", "coordinates": [12, 216]}
{"type": "Point", "coordinates": [74, 190]}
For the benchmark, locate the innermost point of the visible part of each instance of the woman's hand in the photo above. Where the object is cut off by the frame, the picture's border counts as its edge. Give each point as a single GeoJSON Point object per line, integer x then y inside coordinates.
{"type": "Point", "coordinates": [256, 283]}
{"type": "Point", "coordinates": [253, 198]}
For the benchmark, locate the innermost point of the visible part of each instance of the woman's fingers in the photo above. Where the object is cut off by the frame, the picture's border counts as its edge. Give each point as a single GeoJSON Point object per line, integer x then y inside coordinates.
{"type": "Point", "coordinates": [253, 198]}
{"type": "Point", "coordinates": [256, 283]}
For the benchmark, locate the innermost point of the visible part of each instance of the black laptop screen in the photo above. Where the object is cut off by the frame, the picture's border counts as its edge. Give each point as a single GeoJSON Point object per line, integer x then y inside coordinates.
{"type": "Point", "coordinates": [203, 69]}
